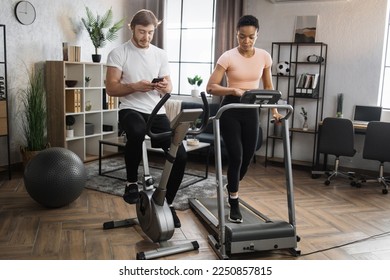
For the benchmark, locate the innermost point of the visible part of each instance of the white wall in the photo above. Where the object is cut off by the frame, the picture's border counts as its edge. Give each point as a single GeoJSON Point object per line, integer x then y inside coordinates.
{"type": "Point", "coordinates": [354, 31]}
{"type": "Point", "coordinates": [56, 22]}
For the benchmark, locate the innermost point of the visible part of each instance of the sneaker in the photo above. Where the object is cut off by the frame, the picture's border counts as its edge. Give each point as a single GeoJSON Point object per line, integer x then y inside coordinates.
{"type": "Point", "coordinates": [131, 194]}
{"type": "Point", "coordinates": [235, 213]}
{"type": "Point", "coordinates": [176, 220]}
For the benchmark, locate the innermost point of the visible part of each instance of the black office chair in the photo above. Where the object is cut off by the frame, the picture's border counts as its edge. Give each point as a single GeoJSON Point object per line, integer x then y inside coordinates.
{"type": "Point", "coordinates": [376, 147]}
{"type": "Point", "coordinates": [337, 138]}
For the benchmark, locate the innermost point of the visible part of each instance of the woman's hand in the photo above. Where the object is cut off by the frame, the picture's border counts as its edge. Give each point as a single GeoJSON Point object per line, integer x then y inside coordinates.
{"type": "Point", "coordinates": [276, 115]}
{"type": "Point", "coordinates": [238, 92]}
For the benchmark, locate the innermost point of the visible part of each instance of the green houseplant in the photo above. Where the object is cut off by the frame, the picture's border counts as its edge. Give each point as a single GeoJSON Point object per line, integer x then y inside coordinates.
{"type": "Point", "coordinates": [87, 80]}
{"type": "Point", "coordinates": [34, 115]}
{"type": "Point", "coordinates": [101, 29]}
{"type": "Point", "coordinates": [305, 126]}
{"type": "Point", "coordinates": [196, 81]}
{"type": "Point", "coordinates": [340, 99]}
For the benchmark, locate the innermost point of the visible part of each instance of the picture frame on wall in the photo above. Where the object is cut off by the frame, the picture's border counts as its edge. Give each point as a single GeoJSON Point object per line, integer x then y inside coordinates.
{"type": "Point", "coordinates": [305, 29]}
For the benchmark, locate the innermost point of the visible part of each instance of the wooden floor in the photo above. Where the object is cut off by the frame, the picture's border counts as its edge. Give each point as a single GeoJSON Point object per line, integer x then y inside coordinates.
{"type": "Point", "coordinates": [336, 222]}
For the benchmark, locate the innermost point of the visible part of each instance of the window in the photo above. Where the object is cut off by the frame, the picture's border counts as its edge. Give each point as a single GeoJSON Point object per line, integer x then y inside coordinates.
{"type": "Point", "coordinates": [190, 42]}
{"type": "Point", "coordinates": [385, 96]}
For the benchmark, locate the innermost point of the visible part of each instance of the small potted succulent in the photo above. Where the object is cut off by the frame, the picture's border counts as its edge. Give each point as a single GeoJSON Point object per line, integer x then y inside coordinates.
{"type": "Point", "coordinates": [87, 80]}
{"type": "Point", "coordinates": [196, 82]}
{"type": "Point", "coordinates": [70, 121]}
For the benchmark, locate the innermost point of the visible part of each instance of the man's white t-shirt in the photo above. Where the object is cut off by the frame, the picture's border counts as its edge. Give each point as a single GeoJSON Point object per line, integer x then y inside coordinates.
{"type": "Point", "coordinates": [139, 64]}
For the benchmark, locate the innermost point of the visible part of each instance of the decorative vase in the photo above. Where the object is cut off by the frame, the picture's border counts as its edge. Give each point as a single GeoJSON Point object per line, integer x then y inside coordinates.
{"type": "Point", "coordinates": [305, 126]}
{"type": "Point", "coordinates": [192, 141]}
{"type": "Point", "coordinates": [88, 106]}
{"type": "Point", "coordinates": [278, 128]}
{"type": "Point", "coordinates": [69, 133]}
{"type": "Point", "coordinates": [195, 93]}
{"type": "Point", "coordinates": [27, 155]}
{"type": "Point", "coordinates": [96, 57]}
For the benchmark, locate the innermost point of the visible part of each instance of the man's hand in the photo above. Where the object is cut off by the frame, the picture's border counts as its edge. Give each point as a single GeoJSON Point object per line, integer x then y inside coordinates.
{"type": "Point", "coordinates": [161, 86]}
{"type": "Point", "coordinates": [143, 86]}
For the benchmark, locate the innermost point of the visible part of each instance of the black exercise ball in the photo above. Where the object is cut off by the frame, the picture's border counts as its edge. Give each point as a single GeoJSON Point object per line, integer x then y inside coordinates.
{"type": "Point", "coordinates": [55, 177]}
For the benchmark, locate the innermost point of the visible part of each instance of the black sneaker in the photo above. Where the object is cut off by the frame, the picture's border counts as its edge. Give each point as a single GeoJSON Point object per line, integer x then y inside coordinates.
{"type": "Point", "coordinates": [176, 220]}
{"type": "Point", "coordinates": [131, 194]}
{"type": "Point", "coordinates": [235, 213]}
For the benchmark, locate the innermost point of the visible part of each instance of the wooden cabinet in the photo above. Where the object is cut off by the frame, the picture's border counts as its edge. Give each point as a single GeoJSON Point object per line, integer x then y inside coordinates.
{"type": "Point", "coordinates": [4, 118]}
{"type": "Point", "coordinates": [302, 85]}
{"type": "Point", "coordinates": [95, 114]}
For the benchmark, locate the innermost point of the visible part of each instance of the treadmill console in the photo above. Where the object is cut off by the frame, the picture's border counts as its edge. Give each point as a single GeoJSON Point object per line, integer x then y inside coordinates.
{"type": "Point", "coordinates": [258, 96]}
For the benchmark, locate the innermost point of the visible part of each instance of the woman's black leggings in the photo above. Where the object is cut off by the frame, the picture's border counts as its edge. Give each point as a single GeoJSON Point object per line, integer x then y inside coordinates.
{"type": "Point", "coordinates": [134, 124]}
{"type": "Point", "coordinates": [239, 130]}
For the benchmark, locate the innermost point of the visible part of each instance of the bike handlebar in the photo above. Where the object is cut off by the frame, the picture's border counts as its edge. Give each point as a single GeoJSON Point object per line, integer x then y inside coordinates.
{"type": "Point", "coordinates": [163, 100]}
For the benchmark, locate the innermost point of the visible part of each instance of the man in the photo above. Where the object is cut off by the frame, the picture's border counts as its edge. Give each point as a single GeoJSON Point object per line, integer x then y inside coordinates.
{"type": "Point", "coordinates": [131, 69]}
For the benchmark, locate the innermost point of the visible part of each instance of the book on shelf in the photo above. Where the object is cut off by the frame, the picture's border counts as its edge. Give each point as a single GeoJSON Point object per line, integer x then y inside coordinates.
{"type": "Point", "coordinates": [301, 80]}
{"type": "Point", "coordinates": [111, 102]}
{"type": "Point", "coordinates": [307, 85]}
{"type": "Point", "coordinates": [308, 81]}
{"type": "Point", "coordinates": [73, 101]}
{"type": "Point", "coordinates": [71, 53]}
{"type": "Point", "coordinates": [315, 81]}
{"type": "Point", "coordinates": [65, 51]}
{"type": "Point", "coordinates": [104, 100]}
{"type": "Point", "coordinates": [298, 81]}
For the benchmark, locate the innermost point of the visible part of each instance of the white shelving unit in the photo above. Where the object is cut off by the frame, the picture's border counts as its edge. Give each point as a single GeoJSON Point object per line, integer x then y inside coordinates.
{"type": "Point", "coordinates": [95, 113]}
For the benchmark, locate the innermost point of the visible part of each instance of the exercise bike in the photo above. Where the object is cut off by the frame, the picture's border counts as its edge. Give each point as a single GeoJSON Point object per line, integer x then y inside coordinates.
{"type": "Point", "coordinates": [257, 232]}
{"type": "Point", "coordinates": [153, 213]}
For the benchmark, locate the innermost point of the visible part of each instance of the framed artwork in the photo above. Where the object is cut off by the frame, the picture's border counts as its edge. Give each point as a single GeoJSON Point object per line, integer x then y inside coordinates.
{"type": "Point", "coordinates": [305, 29]}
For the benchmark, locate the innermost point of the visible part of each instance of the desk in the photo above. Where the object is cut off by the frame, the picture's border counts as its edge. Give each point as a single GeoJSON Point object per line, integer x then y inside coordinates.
{"type": "Point", "coordinates": [119, 142]}
{"type": "Point", "coordinates": [358, 128]}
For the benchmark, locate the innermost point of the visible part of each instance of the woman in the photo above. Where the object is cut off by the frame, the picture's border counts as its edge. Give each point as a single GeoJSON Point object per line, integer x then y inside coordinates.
{"type": "Point", "coordinates": [244, 67]}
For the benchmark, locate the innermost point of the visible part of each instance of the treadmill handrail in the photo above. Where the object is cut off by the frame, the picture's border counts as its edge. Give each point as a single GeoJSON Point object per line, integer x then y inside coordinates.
{"type": "Point", "coordinates": [287, 107]}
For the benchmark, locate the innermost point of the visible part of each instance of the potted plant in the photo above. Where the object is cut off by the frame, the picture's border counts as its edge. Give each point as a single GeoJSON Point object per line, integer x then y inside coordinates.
{"type": "Point", "coordinates": [305, 126]}
{"type": "Point", "coordinates": [101, 30]}
{"type": "Point", "coordinates": [339, 112]}
{"type": "Point", "coordinates": [69, 121]}
{"type": "Point", "coordinates": [33, 116]}
{"type": "Point", "coordinates": [196, 82]}
{"type": "Point", "coordinates": [88, 105]}
{"type": "Point", "coordinates": [87, 80]}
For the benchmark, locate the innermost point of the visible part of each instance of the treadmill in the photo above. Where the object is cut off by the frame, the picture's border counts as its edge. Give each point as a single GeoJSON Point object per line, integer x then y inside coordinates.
{"type": "Point", "coordinates": [257, 232]}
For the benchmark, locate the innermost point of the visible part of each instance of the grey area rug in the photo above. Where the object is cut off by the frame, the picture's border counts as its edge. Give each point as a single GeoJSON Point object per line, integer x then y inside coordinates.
{"type": "Point", "coordinates": [116, 186]}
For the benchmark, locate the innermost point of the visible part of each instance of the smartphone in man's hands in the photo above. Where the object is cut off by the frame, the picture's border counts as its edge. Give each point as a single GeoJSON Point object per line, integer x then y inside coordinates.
{"type": "Point", "coordinates": [157, 80]}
